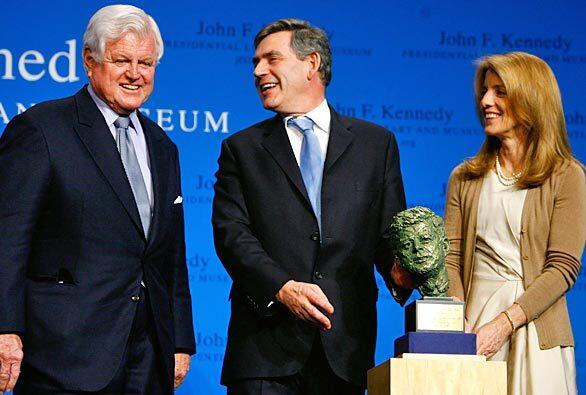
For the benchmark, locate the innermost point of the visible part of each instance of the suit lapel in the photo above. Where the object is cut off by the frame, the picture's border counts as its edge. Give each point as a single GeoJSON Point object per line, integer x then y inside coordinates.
{"type": "Point", "coordinates": [159, 164]}
{"type": "Point", "coordinates": [95, 135]}
{"type": "Point", "coordinates": [340, 138]}
{"type": "Point", "coordinates": [278, 145]}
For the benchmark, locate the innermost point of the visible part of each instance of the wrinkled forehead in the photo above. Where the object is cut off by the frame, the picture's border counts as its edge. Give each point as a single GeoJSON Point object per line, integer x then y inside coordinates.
{"type": "Point", "coordinates": [133, 43]}
{"type": "Point", "coordinates": [278, 41]}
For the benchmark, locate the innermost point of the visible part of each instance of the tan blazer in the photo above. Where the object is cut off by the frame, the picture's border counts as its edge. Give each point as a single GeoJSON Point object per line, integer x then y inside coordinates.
{"type": "Point", "coordinates": [553, 233]}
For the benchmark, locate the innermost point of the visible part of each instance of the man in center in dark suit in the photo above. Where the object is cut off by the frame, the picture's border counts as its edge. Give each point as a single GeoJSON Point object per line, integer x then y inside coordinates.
{"type": "Point", "coordinates": [301, 202]}
{"type": "Point", "coordinates": [93, 280]}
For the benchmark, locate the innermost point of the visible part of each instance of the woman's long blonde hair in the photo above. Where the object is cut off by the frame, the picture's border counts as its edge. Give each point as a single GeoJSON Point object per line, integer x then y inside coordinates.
{"type": "Point", "coordinates": [535, 102]}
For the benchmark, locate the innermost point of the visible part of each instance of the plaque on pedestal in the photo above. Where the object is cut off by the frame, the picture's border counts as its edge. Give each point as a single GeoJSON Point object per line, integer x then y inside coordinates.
{"type": "Point", "coordinates": [432, 314]}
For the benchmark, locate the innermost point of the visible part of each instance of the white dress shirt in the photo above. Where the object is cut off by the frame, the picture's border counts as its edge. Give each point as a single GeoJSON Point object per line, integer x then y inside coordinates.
{"type": "Point", "coordinates": [321, 119]}
{"type": "Point", "coordinates": [136, 136]}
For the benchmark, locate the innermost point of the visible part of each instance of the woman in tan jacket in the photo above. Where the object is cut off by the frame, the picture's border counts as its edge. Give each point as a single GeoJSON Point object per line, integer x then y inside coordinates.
{"type": "Point", "coordinates": [516, 221]}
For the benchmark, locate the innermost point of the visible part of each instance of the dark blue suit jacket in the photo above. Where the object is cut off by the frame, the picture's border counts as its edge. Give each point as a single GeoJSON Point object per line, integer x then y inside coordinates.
{"type": "Point", "coordinates": [72, 249]}
{"type": "Point", "coordinates": [266, 234]}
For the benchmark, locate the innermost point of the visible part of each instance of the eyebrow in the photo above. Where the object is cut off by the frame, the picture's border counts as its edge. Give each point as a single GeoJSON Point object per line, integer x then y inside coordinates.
{"type": "Point", "coordinates": [268, 54]}
{"type": "Point", "coordinates": [494, 86]}
{"type": "Point", "coordinates": [121, 56]}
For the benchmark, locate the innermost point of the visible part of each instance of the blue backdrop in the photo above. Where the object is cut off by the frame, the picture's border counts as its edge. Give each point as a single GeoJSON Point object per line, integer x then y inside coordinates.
{"type": "Point", "coordinates": [406, 65]}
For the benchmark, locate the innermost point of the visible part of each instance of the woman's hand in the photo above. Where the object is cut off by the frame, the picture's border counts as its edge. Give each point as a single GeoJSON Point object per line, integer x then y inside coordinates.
{"type": "Point", "coordinates": [491, 336]}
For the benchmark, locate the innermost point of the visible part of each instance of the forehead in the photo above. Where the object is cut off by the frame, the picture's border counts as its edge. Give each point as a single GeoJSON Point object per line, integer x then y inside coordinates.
{"type": "Point", "coordinates": [492, 78]}
{"type": "Point", "coordinates": [422, 228]}
{"type": "Point", "coordinates": [280, 42]}
{"type": "Point", "coordinates": [132, 44]}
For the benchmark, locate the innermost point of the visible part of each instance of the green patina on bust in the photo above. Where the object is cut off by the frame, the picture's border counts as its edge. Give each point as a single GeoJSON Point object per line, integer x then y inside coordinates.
{"type": "Point", "coordinates": [417, 238]}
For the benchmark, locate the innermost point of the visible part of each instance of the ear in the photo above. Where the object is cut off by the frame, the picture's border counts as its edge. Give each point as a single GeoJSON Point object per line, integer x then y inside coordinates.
{"type": "Point", "coordinates": [88, 61]}
{"type": "Point", "coordinates": [446, 245]}
{"type": "Point", "coordinates": [314, 62]}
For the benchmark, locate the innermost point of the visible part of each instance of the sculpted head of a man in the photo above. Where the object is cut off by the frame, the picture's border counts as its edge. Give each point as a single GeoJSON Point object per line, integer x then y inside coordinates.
{"type": "Point", "coordinates": [418, 239]}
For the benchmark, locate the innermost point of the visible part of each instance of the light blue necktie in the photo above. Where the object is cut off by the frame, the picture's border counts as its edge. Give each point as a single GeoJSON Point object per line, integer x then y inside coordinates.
{"type": "Point", "coordinates": [311, 163]}
{"type": "Point", "coordinates": [130, 162]}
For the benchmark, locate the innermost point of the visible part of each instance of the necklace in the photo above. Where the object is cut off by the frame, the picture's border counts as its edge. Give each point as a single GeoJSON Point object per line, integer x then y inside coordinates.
{"type": "Point", "coordinates": [506, 181]}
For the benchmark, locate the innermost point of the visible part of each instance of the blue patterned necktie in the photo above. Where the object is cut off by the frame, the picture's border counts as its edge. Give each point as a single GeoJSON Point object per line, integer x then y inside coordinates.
{"type": "Point", "coordinates": [311, 163]}
{"type": "Point", "coordinates": [132, 168]}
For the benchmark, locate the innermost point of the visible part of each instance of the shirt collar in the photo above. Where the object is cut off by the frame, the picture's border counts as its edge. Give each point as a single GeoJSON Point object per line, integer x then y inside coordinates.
{"type": "Point", "coordinates": [320, 116]}
{"type": "Point", "coordinates": [110, 115]}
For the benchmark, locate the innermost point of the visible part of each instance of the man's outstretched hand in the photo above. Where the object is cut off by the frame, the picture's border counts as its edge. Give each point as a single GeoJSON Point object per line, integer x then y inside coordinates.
{"type": "Point", "coordinates": [402, 277]}
{"type": "Point", "coordinates": [306, 301]}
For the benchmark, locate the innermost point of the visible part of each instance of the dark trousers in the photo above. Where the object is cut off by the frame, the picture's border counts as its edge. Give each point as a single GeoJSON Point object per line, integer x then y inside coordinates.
{"type": "Point", "coordinates": [315, 378]}
{"type": "Point", "coordinates": [140, 373]}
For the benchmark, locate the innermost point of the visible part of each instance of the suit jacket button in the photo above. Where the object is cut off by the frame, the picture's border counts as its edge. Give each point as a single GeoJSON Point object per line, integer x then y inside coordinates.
{"type": "Point", "coordinates": [314, 236]}
{"type": "Point", "coordinates": [135, 298]}
{"type": "Point", "coordinates": [318, 275]}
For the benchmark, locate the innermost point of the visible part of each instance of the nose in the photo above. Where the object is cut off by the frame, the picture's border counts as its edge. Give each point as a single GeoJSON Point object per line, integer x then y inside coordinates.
{"type": "Point", "coordinates": [487, 99]}
{"type": "Point", "coordinates": [416, 243]}
{"type": "Point", "coordinates": [260, 69]}
{"type": "Point", "coordinates": [132, 70]}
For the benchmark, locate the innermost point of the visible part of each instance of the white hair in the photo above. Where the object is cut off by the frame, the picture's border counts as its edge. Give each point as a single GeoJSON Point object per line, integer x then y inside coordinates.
{"type": "Point", "coordinates": [112, 22]}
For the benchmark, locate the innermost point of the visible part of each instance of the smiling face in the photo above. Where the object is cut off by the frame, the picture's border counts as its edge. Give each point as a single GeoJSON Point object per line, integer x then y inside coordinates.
{"type": "Point", "coordinates": [498, 118]}
{"type": "Point", "coordinates": [286, 84]}
{"type": "Point", "coordinates": [124, 80]}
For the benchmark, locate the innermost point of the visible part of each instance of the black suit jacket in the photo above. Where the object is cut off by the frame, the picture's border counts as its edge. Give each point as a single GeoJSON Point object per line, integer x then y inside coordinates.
{"type": "Point", "coordinates": [72, 249]}
{"type": "Point", "coordinates": [266, 234]}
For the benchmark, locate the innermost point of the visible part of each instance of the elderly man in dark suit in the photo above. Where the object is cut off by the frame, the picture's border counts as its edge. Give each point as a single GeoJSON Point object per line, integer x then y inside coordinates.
{"type": "Point", "coordinates": [93, 280]}
{"type": "Point", "coordinates": [302, 200]}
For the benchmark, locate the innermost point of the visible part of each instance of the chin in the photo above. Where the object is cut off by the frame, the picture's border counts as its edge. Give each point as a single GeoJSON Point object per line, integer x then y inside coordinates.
{"type": "Point", "coordinates": [270, 102]}
{"type": "Point", "coordinates": [130, 107]}
{"type": "Point", "coordinates": [269, 106]}
{"type": "Point", "coordinates": [490, 131]}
